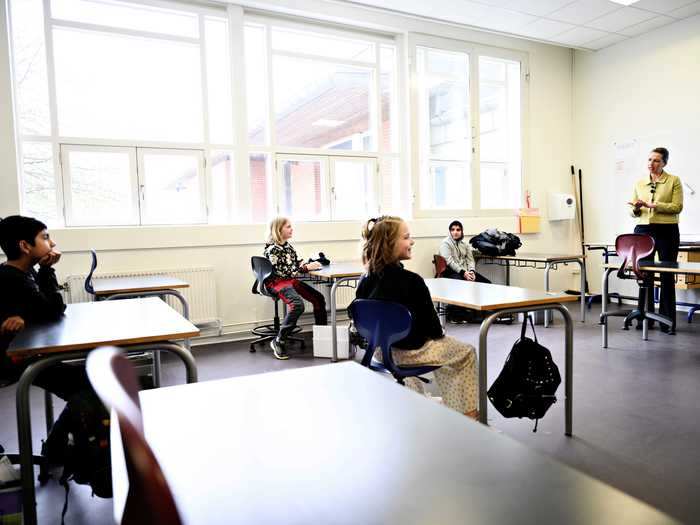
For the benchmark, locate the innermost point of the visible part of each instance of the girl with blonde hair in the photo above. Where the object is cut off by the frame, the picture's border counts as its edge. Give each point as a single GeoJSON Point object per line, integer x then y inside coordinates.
{"type": "Point", "coordinates": [387, 242]}
{"type": "Point", "coordinates": [287, 265]}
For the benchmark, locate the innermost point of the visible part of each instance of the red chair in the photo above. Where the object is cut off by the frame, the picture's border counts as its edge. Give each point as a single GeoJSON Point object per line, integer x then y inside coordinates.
{"type": "Point", "coordinates": [633, 248]}
{"type": "Point", "coordinates": [440, 265]}
{"type": "Point", "coordinates": [149, 499]}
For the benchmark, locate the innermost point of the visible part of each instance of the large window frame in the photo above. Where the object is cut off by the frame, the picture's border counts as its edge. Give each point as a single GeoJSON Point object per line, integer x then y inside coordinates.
{"type": "Point", "coordinates": [57, 141]}
{"type": "Point", "coordinates": [378, 155]}
{"type": "Point", "coordinates": [419, 161]}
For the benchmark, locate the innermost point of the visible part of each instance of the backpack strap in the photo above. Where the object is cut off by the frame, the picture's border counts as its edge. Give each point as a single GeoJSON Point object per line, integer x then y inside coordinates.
{"type": "Point", "coordinates": [524, 327]}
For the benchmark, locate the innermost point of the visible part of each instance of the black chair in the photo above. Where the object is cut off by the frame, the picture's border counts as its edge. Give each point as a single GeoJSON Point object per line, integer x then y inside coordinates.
{"type": "Point", "coordinates": [262, 268]}
{"type": "Point", "coordinates": [383, 323]}
{"type": "Point", "coordinates": [88, 280]}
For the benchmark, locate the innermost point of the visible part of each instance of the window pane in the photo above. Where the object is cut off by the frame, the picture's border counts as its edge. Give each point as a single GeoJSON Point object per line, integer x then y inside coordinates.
{"type": "Point", "coordinates": [39, 182]}
{"type": "Point", "coordinates": [448, 186]}
{"type": "Point", "coordinates": [218, 81]}
{"type": "Point", "coordinates": [222, 186]}
{"type": "Point", "coordinates": [173, 192]}
{"type": "Point", "coordinates": [256, 84]}
{"type": "Point", "coordinates": [127, 15]}
{"type": "Point", "coordinates": [102, 187]}
{"type": "Point", "coordinates": [443, 86]}
{"type": "Point", "coordinates": [303, 189]}
{"type": "Point", "coordinates": [354, 189]}
{"type": "Point", "coordinates": [389, 130]}
{"type": "Point", "coordinates": [260, 187]}
{"type": "Point", "coordinates": [122, 87]}
{"type": "Point", "coordinates": [391, 186]}
{"type": "Point", "coordinates": [321, 105]}
{"type": "Point", "coordinates": [29, 63]}
{"type": "Point", "coordinates": [500, 133]}
{"type": "Point", "coordinates": [331, 46]}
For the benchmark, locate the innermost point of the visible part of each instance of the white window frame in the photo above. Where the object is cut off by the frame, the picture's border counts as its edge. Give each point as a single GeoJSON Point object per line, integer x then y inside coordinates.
{"type": "Point", "coordinates": [65, 177]}
{"type": "Point", "coordinates": [280, 159]}
{"type": "Point", "coordinates": [379, 154]}
{"type": "Point", "coordinates": [199, 155]}
{"type": "Point", "coordinates": [474, 51]}
{"type": "Point", "coordinates": [375, 196]}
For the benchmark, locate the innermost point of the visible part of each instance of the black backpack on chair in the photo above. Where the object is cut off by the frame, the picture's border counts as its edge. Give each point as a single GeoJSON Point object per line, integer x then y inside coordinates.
{"type": "Point", "coordinates": [527, 385]}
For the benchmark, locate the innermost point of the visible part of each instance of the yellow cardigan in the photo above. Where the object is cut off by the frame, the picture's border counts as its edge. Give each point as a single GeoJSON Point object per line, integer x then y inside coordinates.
{"type": "Point", "coordinates": [668, 198]}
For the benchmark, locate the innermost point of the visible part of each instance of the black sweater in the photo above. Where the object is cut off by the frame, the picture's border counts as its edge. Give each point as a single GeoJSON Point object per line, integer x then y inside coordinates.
{"type": "Point", "coordinates": [399, 285]}
{"type": "Point", "coordinates": [34, 296]}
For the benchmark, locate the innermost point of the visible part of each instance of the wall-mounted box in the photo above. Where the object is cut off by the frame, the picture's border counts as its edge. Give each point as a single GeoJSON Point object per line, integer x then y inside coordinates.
{"type": "Point", "coordinates": [562, 206]}
{"type": "Point", "coordinates": [529, 220]}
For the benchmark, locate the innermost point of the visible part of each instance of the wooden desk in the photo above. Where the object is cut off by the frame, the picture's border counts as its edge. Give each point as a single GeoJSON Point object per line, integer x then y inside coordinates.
{"type": "Point", "coordinates": [339, 274]}
{"type": "Point", "coordinates": [542, 261]}
{"type": "Point", "coordinates": [139, 324]}
{"type": "Point", "coordinates": [345, 446]}
{"type": "Point", "coordinates": [507, 300]}
{"type": "Point", "coordinates": [691, 271]}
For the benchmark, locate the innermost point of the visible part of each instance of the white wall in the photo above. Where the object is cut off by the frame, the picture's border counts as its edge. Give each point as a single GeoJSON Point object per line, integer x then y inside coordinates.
{"type": "Point", "coordinates": [644, 89]}
{"type": "Point", "coordinates": [548, 151]}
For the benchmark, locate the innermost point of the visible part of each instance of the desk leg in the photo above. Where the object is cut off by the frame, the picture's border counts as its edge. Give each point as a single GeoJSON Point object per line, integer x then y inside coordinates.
{"type": "Point", "coordinates": [547, 268]}
{"type": "Point", "coordinates": [568, 360]}
{"type": "Point", "coordinates": [582, 264]}
{"type": "Point", "coordinates": [604, 306]}
{"type": "Point", "coordinates": [24, 419]}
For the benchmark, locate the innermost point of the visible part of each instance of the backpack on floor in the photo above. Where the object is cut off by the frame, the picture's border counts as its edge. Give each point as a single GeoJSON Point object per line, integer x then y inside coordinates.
{"type": "Point", "coordinates": [527, 385]}
{"type": "Point", "coordinates": [79, 442]}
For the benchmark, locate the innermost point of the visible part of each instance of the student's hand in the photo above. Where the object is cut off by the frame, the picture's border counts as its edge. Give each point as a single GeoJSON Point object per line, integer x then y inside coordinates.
{"type": "Point", "coordinates": [470, 276]}
{"type": "Point", "coordinates": [50, 258]}
{"type": "Point", "coordinates": [12, 325]}
{"type": "Point", "coordinates": [313, 266]}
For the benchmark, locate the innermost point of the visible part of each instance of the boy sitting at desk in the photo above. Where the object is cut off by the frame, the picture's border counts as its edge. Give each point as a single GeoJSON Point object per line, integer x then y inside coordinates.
{"type": "Point", "coordinates": [28, 296]}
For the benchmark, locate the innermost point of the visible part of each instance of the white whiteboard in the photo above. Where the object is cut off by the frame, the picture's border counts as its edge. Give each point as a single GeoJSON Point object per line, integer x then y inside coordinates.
{"type": "Point", "coordinates": [684, 161]}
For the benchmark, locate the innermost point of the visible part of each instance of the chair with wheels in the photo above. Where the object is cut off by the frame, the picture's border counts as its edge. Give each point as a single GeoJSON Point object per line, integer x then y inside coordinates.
{"type": "Point", "coordinates": [633, 248]}
{"type": "Point", "coordinates": [149, 498]}
{"type": "Point", "coordinates": [262, 268]}
{"type": "Point", "coordinates": [383, 323]}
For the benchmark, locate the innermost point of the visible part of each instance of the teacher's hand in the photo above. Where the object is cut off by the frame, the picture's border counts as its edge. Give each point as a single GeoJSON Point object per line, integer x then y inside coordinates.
{"type": "Point", "coordinates": [636, 204]}
{"type": "Point", "coordinates": [650, 204]}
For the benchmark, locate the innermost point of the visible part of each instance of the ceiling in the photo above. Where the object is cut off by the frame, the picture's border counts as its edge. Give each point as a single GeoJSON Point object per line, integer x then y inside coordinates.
{"type": "Point", "coordinates": [586, 24]}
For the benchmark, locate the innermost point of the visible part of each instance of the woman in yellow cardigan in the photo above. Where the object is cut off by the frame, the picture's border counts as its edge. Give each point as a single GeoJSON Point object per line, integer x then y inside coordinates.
{"type": "Point", "coordinates": [656, 202]}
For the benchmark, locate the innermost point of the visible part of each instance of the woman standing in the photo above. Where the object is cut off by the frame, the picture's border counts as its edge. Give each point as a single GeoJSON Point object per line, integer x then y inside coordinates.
{"type": "Point", "coordinates": [656, 203]}
{"type": "Point", "coordinates": [387, 242]}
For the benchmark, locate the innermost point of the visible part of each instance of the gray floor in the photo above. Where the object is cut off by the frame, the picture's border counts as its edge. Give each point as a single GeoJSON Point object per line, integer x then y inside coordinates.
{"type": "Point", "coordinates": [635, 413]}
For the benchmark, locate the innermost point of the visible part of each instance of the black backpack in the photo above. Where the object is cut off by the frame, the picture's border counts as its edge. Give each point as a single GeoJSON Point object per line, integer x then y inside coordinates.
{"type": "Point", "coordinates": [529, 379]}
{"type": "Point", "coordinates": [79, 441]}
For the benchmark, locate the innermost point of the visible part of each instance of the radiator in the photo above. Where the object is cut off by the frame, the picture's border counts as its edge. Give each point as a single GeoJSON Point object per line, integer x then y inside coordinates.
{"type": "Point", "coordinates": [201, 294]}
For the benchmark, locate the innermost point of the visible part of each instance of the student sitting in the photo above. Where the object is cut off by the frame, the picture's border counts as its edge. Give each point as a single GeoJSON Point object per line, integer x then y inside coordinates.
{"type": "Point", "coordinates": [287, 265]}
{"type": "Point", "coordinates": [31, 297]}
{"type": "Point", "coordinates": [460, 265]}
{"type": "Point", "coordinates": [387, 242]}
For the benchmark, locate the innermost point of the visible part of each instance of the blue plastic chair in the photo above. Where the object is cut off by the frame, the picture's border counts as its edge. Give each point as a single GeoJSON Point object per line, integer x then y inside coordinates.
{"type": "Point", "coordinates": [383, 323]}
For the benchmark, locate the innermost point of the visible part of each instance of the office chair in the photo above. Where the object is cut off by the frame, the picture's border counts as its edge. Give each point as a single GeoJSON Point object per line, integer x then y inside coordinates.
{"type": "Point", "coordinates": [88, 280]}
{"type": "Point", "coordinates": [262, 268]}
{"type": "Point", "coordinates": [149, 499]}
{"type": "Point", "coordinates": [633, 248]}
{"type": "Point", "coordinates": [383, 323]}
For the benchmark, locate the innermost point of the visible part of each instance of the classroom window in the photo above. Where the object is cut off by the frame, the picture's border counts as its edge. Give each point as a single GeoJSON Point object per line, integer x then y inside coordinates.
{"type": "Point", "coordinates": [469, 153]}
{"type": "Point", "coordinates": [138, 98]}
{"type": "Point", "coordinates": [327, 95]}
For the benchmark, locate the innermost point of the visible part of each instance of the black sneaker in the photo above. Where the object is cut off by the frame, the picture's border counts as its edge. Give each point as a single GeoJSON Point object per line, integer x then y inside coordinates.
{"type": "Point", "coordinates": [278, 349]}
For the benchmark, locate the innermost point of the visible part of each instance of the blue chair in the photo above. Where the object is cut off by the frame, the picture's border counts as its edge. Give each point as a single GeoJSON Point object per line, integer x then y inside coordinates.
{"type": "Point", "coordinates": [383, 323]}
{"type": "Point", "coordinates": [88, 280]}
